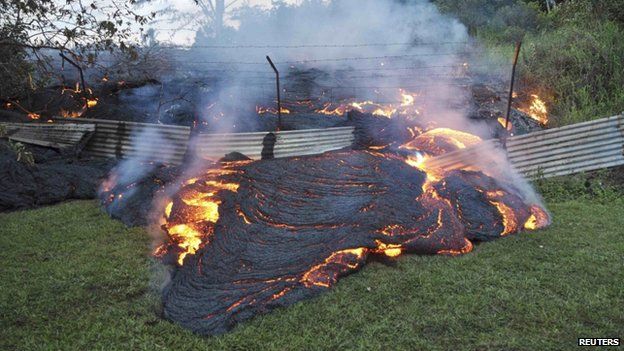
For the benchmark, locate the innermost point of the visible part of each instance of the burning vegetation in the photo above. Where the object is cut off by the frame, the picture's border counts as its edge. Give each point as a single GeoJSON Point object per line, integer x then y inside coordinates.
{"type": "Point", "coordinates": [536, 109]}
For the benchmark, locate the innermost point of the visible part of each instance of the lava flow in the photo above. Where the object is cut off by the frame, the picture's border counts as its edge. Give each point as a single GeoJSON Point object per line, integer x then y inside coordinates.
{"type": "Point", "coordinates": [404, 103]}
{"type": "Point", "coordinates": [247, 237]}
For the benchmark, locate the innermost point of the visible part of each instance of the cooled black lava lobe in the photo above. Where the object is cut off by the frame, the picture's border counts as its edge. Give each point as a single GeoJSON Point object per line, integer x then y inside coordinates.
{"type": "Point", "coordinates": [296, 225]}
{"type": "Point", "coordinates": [56, 176]}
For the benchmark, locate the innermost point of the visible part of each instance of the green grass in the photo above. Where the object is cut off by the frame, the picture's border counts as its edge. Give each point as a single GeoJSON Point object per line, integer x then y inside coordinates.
{"type": "Point", "coordinates": [74, 279]}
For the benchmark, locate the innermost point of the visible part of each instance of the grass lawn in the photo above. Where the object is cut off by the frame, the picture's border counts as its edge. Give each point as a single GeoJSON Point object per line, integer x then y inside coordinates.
{"type": "Point", "coordinates": [74, 279]}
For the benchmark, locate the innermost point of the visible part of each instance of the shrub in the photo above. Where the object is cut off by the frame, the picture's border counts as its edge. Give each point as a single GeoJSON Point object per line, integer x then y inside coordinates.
{"type": "Point", "coordinates": [22, 154]}
{"type": "Point", "coordinates": [582, 64]}
{"type": "Point", "coordinates": [15, 70]}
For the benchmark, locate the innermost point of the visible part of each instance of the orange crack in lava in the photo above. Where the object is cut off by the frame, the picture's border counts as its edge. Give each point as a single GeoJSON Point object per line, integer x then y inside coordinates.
{"type": "Point", "coordinates": [538, 219]}
{"type": "Point", "coordinates": [203, 204]}
{"type": "Point", "coordinates": [319, 276]}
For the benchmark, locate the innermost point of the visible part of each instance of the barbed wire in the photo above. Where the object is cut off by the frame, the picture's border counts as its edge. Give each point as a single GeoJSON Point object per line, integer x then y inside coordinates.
{"type": "Point", "coordinates": [293, 62]}
{"type": "Point", "coordinates": [268, 73]}
{"type": "Point", "coordinates": [302, 46]}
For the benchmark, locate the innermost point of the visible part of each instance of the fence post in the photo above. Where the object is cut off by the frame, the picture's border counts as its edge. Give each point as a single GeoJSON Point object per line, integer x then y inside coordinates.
{"type": "Point", "coordinates": [279, 100]}
{"type": "Point", "coordinates": [511, 87]}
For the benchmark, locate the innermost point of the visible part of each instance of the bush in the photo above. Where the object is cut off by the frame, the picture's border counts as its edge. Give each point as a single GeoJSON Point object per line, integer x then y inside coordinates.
{"type": "Point", "coordinates": [582, 64]}
{"type": "Point", "coordinates": [15, 70]}
{"type": "Point", "coordinates": [501, 21]}
{"type": "Point", "coordinates": [23, 155]}
{"type": "Point", "coordinates": [572, 57]}
{"type": "Point", "coordinates": [599, 186]}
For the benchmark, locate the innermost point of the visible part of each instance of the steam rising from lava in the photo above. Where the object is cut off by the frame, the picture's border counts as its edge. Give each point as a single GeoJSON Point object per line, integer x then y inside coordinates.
{"type": "Point", "coordinates": [246, 237]}
{"type": "Point", "coordinates": [250, 236]}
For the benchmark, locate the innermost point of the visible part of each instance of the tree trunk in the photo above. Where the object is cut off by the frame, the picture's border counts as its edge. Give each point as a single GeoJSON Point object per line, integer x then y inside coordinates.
{"type": "Point", "coordinates": [219, 14]}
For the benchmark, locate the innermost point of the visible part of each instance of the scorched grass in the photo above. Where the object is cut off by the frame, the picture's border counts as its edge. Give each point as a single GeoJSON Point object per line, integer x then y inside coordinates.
{"type": "Point", "coordinates": [74, 279]}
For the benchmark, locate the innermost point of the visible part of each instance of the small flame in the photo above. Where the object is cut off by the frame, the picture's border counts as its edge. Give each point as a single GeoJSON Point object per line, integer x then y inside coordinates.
{"type": "Point", "coordinates": [264, 110]}
{"type": "Point", "coordinates": [71, 114]}
{"type": "Point", "coordinates": [168, 209]}
{"type": "Point", "coordinates": [503, 121]}
{"type": "Point", "coordinates": [407, 99]}
{"type": "Point", "coordinates": [537, 110]}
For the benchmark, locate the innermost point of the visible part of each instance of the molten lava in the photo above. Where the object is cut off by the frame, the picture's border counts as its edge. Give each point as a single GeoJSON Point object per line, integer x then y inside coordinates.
{"type": "Point", "coordinates": [264, 110]}
{"type": "Point", "coordinates": [249, 236]}
{"type": "Point", "coordinates": [441, 140]}
{"type": "Point", "coordinates": [405, 105]}
{"type": "Point", "coordinates": [192, 227]}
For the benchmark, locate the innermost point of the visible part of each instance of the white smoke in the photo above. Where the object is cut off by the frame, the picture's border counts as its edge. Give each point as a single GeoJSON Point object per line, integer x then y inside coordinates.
{"type": "Point", "coordinates": [368, 49]}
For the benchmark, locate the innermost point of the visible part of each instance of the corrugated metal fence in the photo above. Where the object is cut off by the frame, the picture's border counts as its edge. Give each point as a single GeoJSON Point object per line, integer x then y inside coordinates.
{"type": "Point", "coordinates": [571, 149]}
{"type": "Point", "coordinates": [117, 139]}
{"type": "Point", "coordinates": [559, 151]}
{"type": "Point", "coordinates": [287, 143]}
{"type": "Point", "coordinates": [46, 134]}
{"type": "Point", "coordinates": [553, 152]}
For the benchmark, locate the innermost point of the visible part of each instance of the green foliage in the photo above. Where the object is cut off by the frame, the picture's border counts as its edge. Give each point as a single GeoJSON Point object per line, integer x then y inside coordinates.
{"type": "Point", "coordinates": [580, 62]}
{"type": "Point", "coordinates": [596, 186]}
{"type": "Point", "coordinates": [572, 56]}
{"type": "Point", "coordinates": [15, 71]}
{"type": "Point", "coordinates": [22, 154]}
{"type": "Point", "coordinates": [498, 20]}
{"type": "Point", "coordinates": [73, 279]}
{"type": "Point", "coordinates": [3, 131]}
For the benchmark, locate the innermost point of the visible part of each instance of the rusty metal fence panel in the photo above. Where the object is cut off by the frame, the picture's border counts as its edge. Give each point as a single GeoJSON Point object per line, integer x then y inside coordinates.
{"type": "Point", "coordinates": [48, 134]}
{"type": "Point", "coordinates": [120, 139]}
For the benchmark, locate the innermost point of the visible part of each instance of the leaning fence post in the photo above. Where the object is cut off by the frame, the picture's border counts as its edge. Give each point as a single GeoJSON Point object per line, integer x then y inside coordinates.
{"type": "Point", "coordinates": [511, 88]}
{"type": "Point", "coordinates": [279, 100]}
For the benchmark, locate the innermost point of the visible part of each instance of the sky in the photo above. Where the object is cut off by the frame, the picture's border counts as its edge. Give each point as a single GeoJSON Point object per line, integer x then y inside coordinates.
{"type": "Point", "coordinates": [180, 33]}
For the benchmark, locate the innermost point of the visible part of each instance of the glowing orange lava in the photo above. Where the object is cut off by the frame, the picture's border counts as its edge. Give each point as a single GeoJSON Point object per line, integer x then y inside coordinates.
{"type": "Point", "coordinates": [406, 106]}
{"type": "Point", "coordinates": [539, 218]}
{"type": "Point", "coordinates": [264, 110]}
{"type": "Point", "coordinates": [441, 140]}
{"type": "Point", "coordinates": [318, 275]}
{"type": "Point", "coordinates": [202, 198]}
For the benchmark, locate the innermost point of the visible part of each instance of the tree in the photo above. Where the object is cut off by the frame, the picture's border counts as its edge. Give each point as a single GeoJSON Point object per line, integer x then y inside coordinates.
{"type": "Point", "coordinates": [214, 10]}
{"type": "Point", "coordinates": [80, 28]}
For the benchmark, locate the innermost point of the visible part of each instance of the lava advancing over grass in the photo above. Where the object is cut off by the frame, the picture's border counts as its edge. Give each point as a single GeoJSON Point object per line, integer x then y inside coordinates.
{"type": "Point", "coordinates": [247, 237]}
